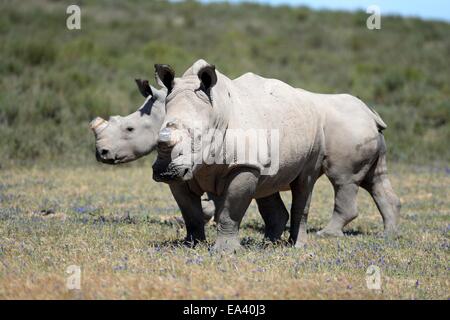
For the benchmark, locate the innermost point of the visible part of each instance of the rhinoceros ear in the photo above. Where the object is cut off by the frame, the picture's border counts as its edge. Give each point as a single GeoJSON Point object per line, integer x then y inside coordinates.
{"type": "Point", "coordinates": [144, 87]}
{"type": "Point", "coordinates": [164, 75]}
{"type": "Point", "coordinates": [208, 77]}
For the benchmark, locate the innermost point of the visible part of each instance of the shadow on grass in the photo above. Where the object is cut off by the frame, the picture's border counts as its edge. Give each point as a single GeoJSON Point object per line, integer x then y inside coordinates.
{"type": "Point", "coordinates": [350, 232]}
{"type": "Point", "coordinates": [248, 243]}
{"type": "Point", "coordinates": [173, 244]}
{"type": "Point", "coordinates": [101, 219]}
{"type": "Point", "coordinates": [258, 227]}
{"type": "Point", "coordinates": [126, 218]}
{"type": "Point", "coordinates": [355, 232]}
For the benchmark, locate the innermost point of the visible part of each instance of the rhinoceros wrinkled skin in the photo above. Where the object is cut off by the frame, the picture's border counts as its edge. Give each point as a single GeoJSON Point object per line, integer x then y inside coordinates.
{"type": "Point", "coordinates": [125, 139]}
{"type": "Point", "coordinates": [336, 135]}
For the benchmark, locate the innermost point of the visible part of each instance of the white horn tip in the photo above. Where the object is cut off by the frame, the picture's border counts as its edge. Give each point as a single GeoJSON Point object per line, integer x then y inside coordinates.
{"type": "Point", "coordinates": [97, 123]}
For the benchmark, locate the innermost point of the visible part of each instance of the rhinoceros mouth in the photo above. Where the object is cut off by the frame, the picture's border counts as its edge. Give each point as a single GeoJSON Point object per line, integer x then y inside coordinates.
{"type": "Point", "coordinates": [123, 159]}
{"type": "Point", "coordinates": [115, 160]}
{"type": "Point", "coordinates": [171, 173]}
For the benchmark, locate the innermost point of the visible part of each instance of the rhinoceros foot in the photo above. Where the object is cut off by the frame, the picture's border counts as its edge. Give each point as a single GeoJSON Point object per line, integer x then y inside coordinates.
{"type": "Point", "coordinates": [391, 234]}
{"type": "Point", "coordinates": [226, 245]}
{"type": "Point", "coordinates": [191, 241]}
{"type": "Point", "coordinates": [330, 233]}
{"type": "Point", "coordinates": [300, 245]}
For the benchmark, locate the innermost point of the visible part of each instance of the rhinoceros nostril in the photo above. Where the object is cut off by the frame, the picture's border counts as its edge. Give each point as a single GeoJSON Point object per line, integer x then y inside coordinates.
{"type": "Point", "coordinates": [171, 124]}
{"type": "Point", "coordinates": [104, 152]}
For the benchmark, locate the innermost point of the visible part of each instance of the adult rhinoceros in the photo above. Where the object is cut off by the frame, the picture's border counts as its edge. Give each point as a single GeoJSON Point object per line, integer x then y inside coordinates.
{"type": "Point", "coordinates": [128, 138]}
{"type": "Point", "coordinates": [333, 134]}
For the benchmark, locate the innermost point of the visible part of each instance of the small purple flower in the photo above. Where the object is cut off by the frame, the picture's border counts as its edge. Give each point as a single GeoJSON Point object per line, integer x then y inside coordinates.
{"type": "Point", "coordinates": [196, 260]}
{"type": "Point", "coordinates": [84, 209]}
{"type": "Point", "coordinates": [80, 209]}
{"type": "Point", "coordinates": [120, 267]}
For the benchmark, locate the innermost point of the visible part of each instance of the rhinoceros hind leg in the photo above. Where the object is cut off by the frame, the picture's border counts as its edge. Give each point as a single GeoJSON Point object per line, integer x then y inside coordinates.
{"type": "Point", "coordinates": [378, 185]}
{"type": "Point", "coordinates": [344, 209]}
{"type": "Point", "coordinates": [274, 214]}
{"type": "Point", "coordinates": [301, 199]}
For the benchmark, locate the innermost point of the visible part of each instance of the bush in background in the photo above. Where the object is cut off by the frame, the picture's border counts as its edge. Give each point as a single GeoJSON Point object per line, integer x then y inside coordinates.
{"type": "Point", "coordinates": [54, 81]}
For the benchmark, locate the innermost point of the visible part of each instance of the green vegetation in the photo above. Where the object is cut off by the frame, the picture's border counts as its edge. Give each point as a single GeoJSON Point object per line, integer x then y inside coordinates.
{"type": "Point", "coordinates": [53, 81]}
{"type": "Point", "coordinates": [125, 237]}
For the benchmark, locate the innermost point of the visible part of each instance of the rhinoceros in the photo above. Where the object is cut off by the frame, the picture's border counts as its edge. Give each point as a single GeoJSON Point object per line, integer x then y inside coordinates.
{"type": "Point", "coordinates": [125, 139]}
{"type": "Point", "coordinates": [128, 138]}
{"type": "Point", "coordinates": [336, 135]}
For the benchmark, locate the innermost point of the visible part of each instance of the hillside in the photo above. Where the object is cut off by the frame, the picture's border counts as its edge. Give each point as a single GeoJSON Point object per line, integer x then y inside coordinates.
{"type": "Point", "coordinates": [54, 81]}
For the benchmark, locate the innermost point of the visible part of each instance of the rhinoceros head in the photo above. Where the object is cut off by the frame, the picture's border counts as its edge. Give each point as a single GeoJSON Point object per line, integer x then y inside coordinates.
{"type": "Point", "coordinates": [124, 139]}
{"type": "Point", "coordinates": [190, 116]}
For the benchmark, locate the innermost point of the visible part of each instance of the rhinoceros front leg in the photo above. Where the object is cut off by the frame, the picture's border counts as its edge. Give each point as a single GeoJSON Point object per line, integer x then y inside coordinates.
{"type": "Point", "coordinates": [274, 214]}
{"type": "Point", "coordinates": [231, 207]}
{"type": "Point", "coordinates": [191, 209]}
{"type": "Point", "coordinates": [271, 208]}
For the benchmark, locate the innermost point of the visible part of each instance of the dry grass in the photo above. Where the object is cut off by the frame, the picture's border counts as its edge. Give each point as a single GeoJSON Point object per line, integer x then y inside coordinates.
{"type": "Point", "coordinates": [119, 227]}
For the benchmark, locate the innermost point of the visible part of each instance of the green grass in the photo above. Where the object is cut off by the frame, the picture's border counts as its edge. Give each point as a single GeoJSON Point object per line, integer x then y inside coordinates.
{"type": "Point", "coordinates": [54, 81]}
{"type": "Point", "coordinates": [122, 229]}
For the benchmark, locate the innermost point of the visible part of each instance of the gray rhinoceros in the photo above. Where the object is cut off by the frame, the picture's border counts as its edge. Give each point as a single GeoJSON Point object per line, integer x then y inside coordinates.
{"type": "Point", "coordinates": [128, 138]}
{"type": "Point", "coordinates": [335, 135]}
{"type": "Point", "coordinates": [125, 139]}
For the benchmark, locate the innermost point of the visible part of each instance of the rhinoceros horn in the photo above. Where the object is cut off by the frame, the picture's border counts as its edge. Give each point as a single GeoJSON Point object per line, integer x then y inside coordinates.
{"type": "Point", "coordinates": [168, 136]}
{"type": "Point", "coordinates": [98, 124]}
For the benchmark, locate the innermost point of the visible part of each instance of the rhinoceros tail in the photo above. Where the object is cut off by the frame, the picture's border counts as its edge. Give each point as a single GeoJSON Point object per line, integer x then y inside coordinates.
{"type": "Point", "coordinates": [380, 123]}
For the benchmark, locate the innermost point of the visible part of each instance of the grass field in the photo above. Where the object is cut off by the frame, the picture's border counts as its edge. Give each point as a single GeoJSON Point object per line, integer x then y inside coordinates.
{"type": "Point", "coordinates": [120, 227]}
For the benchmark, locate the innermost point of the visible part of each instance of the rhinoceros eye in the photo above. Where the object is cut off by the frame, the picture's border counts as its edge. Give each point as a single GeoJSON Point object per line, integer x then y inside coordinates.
{"type": "Point", "coordinates": [130, 129]}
